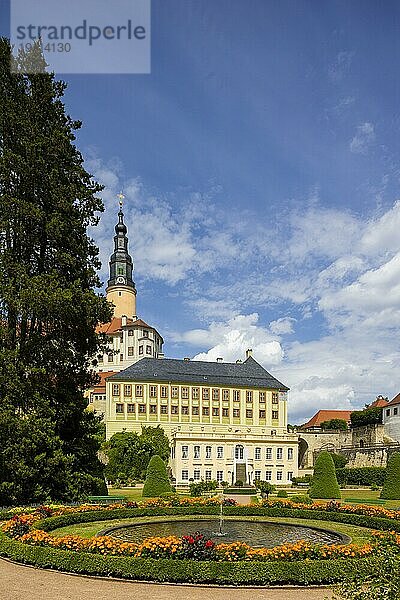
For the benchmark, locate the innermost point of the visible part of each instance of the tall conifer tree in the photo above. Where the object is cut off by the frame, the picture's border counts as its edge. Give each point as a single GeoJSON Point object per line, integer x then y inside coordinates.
{"type": "Point", "coordinates": [48, 306]}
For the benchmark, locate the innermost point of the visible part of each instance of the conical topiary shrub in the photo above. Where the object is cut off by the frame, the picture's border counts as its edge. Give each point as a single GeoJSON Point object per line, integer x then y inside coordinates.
{"type": "Point", "coordinates": [156, 482]}
{"type": "Point", "coordinates": [324, 483]}
{"type": "Point", "coordinates": [391, 485]}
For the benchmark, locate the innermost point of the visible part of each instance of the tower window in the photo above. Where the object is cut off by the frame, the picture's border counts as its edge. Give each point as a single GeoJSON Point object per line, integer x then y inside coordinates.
{"type": "Point", "coordinates": [120, 271]}
{"type": "Point", "coordinates": [130, 332]}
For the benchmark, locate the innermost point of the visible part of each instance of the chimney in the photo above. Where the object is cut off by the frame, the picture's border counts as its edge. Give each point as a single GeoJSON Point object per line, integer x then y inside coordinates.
{"type": "Point", "coordinates": [161, 355]}
{"type": "Point", "coordinates": [187, 359]}
{"type": "Point", "coordinates": [249, 352]}
{"type": "Point", "coordinates": [123, 320]}
{"type": "Point", "coordinates": [219, 359]}
{"type": "Point", "coordinates": [134, 318]}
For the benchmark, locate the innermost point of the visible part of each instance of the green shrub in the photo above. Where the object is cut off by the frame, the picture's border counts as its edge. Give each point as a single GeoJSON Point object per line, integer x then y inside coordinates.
{"type": "Point", "coordinates": [338, 424]}
{"type": "Point", "coordinates": [324, 483]}
{"type": "Point", "coordinates": [239, 483]}
{"type": "Point", "coordinates": [297, 480]}
{"type": "Point", "coordinates": [198, 488]}
{"type": "Point", "coordinates": [338, 460]}
{"type": "Point", "coordinates": [364, 476]}
{"type": "Point", "coordinates": [368, 416]}
{"type": "Point", "coordinates": [282, 494]}
{"type": "Point", "coordinates": [301, 498]}
{"type": "Point", "coordinates": [156, 482]}
{"type": "Point", "coordinates": [391, 486]}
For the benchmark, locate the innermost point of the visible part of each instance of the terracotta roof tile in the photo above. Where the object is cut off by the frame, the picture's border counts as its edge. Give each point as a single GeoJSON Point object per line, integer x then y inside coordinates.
{"type": "Point", "coordinates": [101, 385]}
{"type": "Point", "coordinates": [379, 403]}
{"type": "Point", "coordinates": [116, 325]}
{"type": "Point", "coordinates": [327, 415]}
{"type": "Point", "coordinates": [396, 400]}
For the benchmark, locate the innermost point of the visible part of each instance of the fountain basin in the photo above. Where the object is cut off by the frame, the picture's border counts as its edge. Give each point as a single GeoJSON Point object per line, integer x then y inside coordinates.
{"type": "Point", "coordinates": [257, 534]}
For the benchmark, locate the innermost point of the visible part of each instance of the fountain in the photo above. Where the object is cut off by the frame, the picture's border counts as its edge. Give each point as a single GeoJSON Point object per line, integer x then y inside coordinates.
{"type": "Point", "coordinates": [220, 532]}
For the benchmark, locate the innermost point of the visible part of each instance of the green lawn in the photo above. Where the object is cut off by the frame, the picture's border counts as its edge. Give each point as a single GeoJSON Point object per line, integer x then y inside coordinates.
{"type": "Point", "coordinates": [359, 535]}
{"type": "Point", "coordinates": [130, 494]}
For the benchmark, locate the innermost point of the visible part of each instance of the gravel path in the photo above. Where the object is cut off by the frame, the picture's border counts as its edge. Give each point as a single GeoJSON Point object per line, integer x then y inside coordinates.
{"type": "Point", "coordinates": [18, 582]}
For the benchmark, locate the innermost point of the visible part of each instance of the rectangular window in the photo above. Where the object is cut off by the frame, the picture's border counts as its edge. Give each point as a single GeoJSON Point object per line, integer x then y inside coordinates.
{"type": "Point", "coordinates": [257, 475]}
{"type": "Point", "coordinates": [131, 409]}
{"type": "Point", "coordinates": [268, 475]}
{"type": "Point", "coordinates": [195, 393]}
{"type": "Point", "coordinates": [185, 410]}
{"type": "Point", "coordinates": [153, 391]}
{"type": "Point", "coordinates": [268, 453]}
{"type": "Point", "coordinates": [290, 453]}
{"type": "Point", "coordinates": [225, 395]}
{"type": "Point", "coordinates": [145, 333]}
{"type": "Point", "coordinates": [195, 410]}
{"type": "Point", "coordinates": [208, 451]}
{"type": "Point", "coordinates": [261, 396]}
{"type": "Point", "coordinates": [174, 410]}
{"type": "Point", "coordinates": [185, 475]}
{"type": "Point", "coordinates": [225, 412]}
{"type": "Point", "coordinates": [140, 350]}
{"type": "Point", "coordinates": [257, 454]}
{"type": "Point", "coordinates": [142, 409]}
{"type": "Point", "coordinates": [185, 451]}
{"type": "Point", "coordinates": [249, 413]}
{"type": "Point", "coordinates": [153, 409]}
{"type": "Point", "coordinates": [215, 394]}
{"type": "Point", "coordinates": [206, 411]}
{"type": "Point", "coordinates": [220, 452]}
{"type": "Point", "coordinates": [395, 411]}
{"type": "Point", "coordinates": [139, 391]}
{"type": "Point", "coordinates": [196, 474]}
{"type": "Point", "coordinates": [206, 393]}
{"type": "Point", "coordinates": [185, 393]}
{"type": "Point", "coordinates": [220, 476]}
{"type": "Point", "coordinates": [279, 453]}
{"type": "Point", "coordinates": [290, 475]}
{"type": "Point", "coordinates": [130, 332]}
{"type": "Point", "coordinates": [110, 357]}
{"type": "Point", "coordinates": [174, 391]}
{"type": "Point", "coordinates": [208, 475]}
{"type": "Point", "coordinates": [164, 409]}
{"type": "Point", "coordinates": [119, 408]}
{"type": "Point", "coordinates": [249, 396]}
{"type": "Point", "coordinates": [261, 414]}
{"type": "Point", "coordinates": [275, 398]}
{"type": "Point", "coordinates": [236, 395]}
{"type": "Point", "coordinates": [196, 452]}
{"type": "Point", "coordinates": [131, 351]}
{"type": "Point", "coordinates": [127, 390]}
{"type": "Point", "coordinates": [173, 452]}
{"type": "Point", "coordinates": [148, 349]}
{"type": "Point", "coordinates": [215, 412]}
{"type": "Point", "coordinates": [236, 413]}
{"type": "Point", "coordinates": [279, 475]}
{"type": "Point", "coordinates": [115, 389]}
{"type": "Point", "coordinates": [275, 414]}
{"type": "Point", "coordinates": [388, 412]}
{"type": "Point", "coordinates": [164, 391]}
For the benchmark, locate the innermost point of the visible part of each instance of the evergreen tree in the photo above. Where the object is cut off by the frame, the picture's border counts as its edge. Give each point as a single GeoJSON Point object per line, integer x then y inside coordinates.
{"type": "Point", "coordinates": [48, 306]}
{"type": "Point", "coordinates": [156, 483]}
{"type": "Point", "coordinates": [391, 486]}
{"type": "Point", "coordinates": [324, 483]}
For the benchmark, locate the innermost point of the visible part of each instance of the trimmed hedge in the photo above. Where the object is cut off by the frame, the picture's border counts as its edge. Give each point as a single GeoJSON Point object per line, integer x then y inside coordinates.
{"type": "Point", "coordinates": [391, 486]}
{"type": "Point", "coordinates": [188, 571]}
{"type": "Point", "coordinates": [324, 483]}
{"type": "Point", "coordinates": [366, 476]}
{"type": "Point", "coordinates": [157, 482]}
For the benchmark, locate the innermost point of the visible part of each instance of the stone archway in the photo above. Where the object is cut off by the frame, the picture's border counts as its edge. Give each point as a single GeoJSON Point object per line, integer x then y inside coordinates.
{"type": "Point", "coordinates": [303, 453]}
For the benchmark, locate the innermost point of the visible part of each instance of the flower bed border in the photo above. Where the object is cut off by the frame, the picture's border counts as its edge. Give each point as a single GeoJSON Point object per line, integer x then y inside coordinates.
{"type": "Point", "coordinates": [199, 572]}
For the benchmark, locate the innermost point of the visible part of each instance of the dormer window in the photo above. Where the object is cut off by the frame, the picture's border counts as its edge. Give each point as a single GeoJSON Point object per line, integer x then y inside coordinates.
{"type": "Point", "coordinates": [130, 332]}
{"type": "Point", "coordinates": [145, 333]}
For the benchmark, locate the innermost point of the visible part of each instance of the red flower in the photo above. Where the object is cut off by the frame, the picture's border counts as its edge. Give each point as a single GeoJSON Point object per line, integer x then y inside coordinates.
{"type": "Point", "coordinates": [209, 544]}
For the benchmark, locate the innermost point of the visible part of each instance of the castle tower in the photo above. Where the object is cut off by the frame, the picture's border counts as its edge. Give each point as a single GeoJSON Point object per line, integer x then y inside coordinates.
{"type": "Point", "coordinates": [121, 289]}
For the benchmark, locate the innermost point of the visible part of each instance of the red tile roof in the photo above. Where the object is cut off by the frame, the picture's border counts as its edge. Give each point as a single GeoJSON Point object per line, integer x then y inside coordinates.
{"type": "Point", "coordinates": [116, 325]}
{"type": "Point", "coordinates": [101, 385]}
{"type": "Point", "coordinates": [327, 415]}
{"type": "Point", "coordinates": [379, 403]}
{"type": "Point", "coordinates": [396, 400]}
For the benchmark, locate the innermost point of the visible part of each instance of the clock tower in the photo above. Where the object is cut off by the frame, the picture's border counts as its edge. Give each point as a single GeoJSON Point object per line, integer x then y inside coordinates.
{"type": "Point", "coordinates": [121, 289]}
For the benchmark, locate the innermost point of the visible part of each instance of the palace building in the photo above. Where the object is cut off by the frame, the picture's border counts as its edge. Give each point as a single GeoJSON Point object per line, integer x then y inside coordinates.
{"type": "Point", "coordinates": [225, 421]}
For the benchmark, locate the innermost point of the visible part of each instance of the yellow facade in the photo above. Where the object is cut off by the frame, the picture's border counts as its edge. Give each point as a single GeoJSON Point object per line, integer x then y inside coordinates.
{"type": "Point", "coordinates": [124, 299]}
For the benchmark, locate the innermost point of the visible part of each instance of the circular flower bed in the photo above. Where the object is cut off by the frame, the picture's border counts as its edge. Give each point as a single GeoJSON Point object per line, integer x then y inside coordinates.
{"type": "Point", "coordinates": [25, 537]}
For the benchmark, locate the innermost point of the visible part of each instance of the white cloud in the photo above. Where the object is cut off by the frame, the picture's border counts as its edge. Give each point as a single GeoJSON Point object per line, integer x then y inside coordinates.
{"type": "Point", "coordinates": [364, 137]}
{"type": "Point", "coordinates": [282, 325]}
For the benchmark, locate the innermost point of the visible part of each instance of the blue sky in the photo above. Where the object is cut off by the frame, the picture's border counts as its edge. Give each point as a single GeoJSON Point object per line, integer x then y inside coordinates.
{"type": "Point", "coordinates": [260, 165]}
